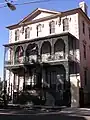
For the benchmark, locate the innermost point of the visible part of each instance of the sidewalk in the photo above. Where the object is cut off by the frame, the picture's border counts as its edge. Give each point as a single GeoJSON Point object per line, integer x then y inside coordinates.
{"type": "Point", "coordinates": [77, 111]}
{"type": "Point", "coordinates": [81, 112]}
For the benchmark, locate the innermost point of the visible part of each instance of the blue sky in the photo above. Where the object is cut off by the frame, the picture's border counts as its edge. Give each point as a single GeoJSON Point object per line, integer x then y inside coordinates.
{"type": "Point", "coordinates": [11, 17]}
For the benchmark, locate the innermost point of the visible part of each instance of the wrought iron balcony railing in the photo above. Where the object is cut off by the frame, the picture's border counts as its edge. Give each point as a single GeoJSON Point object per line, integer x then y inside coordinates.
{"type": "Point", "coordinates": [21, 60]}
{"type": "Point", "coordinates": [28, 60]}
{"type": "Point", "coordinates": [48, 58]}
{"type": "Point", "coordinates": [55, 57]}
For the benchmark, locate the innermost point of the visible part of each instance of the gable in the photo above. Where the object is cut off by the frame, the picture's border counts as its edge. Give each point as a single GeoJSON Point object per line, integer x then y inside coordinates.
{"type": "Point", "coordinates": [38, 13]}
{"type": "Point", "coordinates": [41, 15]}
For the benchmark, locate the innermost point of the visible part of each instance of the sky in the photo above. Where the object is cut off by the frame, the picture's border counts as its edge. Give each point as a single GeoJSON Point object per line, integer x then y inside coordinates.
{"type": "Point", "coordinates": [9, 17]}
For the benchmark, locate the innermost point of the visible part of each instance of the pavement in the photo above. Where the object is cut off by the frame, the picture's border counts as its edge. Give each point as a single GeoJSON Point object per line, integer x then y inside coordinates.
{"type": "Point", "coordinates": [45, 114]}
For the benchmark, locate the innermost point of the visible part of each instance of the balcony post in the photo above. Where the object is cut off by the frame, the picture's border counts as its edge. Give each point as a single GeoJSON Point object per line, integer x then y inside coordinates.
{"type": "Point", "coordinates": [24, 53]}
{"type": "Point", "coordinates": [4, 70]}
{"type": "Point", "coordinates": [52, 47]}
{"type": "Point", "coordinates": [66, 49]}
{"type": "Point", "coordinates": [14, 49]}
{"type": "Point", "coordinates": [4, 77]}
{"type": "Point", "coordinates": [24, 80]}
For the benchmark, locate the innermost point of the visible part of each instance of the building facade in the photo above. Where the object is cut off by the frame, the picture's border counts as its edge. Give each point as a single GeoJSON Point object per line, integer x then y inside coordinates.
{"type": "Point", "coordinates": [48, 54]}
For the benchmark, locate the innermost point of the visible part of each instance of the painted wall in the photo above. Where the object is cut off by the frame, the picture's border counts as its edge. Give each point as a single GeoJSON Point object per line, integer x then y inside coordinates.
{"type": "Point", "coordinates": [43, 14]}
{"type": "Point", "coordinates": [73, 21]}
{"type": "Point", "coordinates": [84, 63]}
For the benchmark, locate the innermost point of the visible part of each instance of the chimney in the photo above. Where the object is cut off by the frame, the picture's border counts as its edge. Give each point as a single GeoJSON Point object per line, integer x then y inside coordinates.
{"type": "Point", "coordinates": [83, 6]}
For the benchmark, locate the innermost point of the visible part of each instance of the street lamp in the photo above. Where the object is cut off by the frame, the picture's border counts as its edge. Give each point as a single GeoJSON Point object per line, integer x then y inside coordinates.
{"type": "Point", "coordinates": [10, 5]}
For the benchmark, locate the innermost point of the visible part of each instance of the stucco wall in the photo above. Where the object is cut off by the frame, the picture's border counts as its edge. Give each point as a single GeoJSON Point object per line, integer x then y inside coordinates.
{"type": "Point", "coordinates": [73, 21]}
{"type": "Point", "coordinates": [84, 39]}
{"type": "Point", "coordinates": [75, 28]}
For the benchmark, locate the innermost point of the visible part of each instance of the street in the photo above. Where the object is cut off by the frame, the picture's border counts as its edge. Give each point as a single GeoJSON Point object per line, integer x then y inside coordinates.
{"type": "Point", "coordinates": [65, 114]}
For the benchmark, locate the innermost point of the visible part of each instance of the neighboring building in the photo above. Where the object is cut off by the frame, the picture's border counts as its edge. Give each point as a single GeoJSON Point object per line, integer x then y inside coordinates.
{"type": "Point", "coordinates": [60, 41]}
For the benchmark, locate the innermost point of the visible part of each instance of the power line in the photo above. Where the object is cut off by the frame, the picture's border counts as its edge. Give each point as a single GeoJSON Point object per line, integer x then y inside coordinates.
{"type": "Point", "coordinates": [38, 1]}
{"type": "Point", "coordinates": [26, 3]}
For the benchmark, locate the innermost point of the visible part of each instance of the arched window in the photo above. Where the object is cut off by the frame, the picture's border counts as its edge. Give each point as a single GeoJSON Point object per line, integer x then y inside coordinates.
{"type": "Point", "coordinates": [52, 27]}
{"type": "Point", "coordinates": [16, 34]}
{"type": "Point", "coordinates": [19, 54]}
{"type": "Point", "coordinates": [27, 33]}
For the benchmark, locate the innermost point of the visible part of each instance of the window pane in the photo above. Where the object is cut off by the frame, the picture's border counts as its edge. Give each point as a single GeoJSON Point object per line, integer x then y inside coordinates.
{"type": "Point", "coordinates": [65, 24]}
{"type": "Point", "coordinates": [83, 24]}
{"type": "Point", "coordinates": [27, 33]}
{"type": "Point", "coordinates": [89, 32]}
{"type": "Point", "coordinates": [84, 47]}
{"type": "Point", "coordinates": [16, 35]}
{"type": "Point", "coordinates": [39, 27]}
{"type": "Point", "coordinates": [52, 27]}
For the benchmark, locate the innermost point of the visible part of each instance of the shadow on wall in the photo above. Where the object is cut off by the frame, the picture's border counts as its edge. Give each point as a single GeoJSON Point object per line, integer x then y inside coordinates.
{"type": "Point", "coordinates": [75, 83]}
{"type": "Point", "coordinates": [74, 95]}
{"type": "Point", "coordinates": [77, 96]}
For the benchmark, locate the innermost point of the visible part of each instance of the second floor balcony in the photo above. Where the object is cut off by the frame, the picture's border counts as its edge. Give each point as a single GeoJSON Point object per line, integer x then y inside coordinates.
{"type": "Point", "coordinates": [46, 50]}
{"type": "Point", "coordinates": [44, 58]}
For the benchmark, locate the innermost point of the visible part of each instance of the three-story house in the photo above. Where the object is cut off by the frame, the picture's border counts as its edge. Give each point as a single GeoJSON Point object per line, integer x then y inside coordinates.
{"type": "Point", "coordinates": [48, 55]}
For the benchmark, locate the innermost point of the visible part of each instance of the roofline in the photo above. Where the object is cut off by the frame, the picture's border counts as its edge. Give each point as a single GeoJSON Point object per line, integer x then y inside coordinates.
{"type": "Point", "coordinates": [39, 38]}
{"type": "Point", "coordinates": [48, 11]}
{"type": "Point", "coordinates": [40, 10]}
{"type": "Point", "coordinates": [77, 10]}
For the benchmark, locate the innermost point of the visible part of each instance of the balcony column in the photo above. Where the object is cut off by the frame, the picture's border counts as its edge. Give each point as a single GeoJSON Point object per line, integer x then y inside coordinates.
{"type": "Point", "coordinates": [24, 54]}
{"type": "Point", "coordinates": [4, 70]}
{"type": "Point", "coordinates": [14, 88]}
{"type": "Point", "coordinates": [18, 82]}
{"type": "Point", "coordinates": [24, 80]}
{"type": "Point", "coordinates": [52, 48]}
{"type": "Point", "coordinates": [66, 47]}
{"type": "Point", "coordinates": [4, 76]}
{"type": "Point", "coordinates": [14, 58]}
{"type": "Point", "coordinates": [39, 52]}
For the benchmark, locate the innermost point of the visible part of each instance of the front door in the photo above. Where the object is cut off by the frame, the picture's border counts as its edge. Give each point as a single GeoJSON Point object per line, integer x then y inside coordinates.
{"type": "Point", "coordinates": [56, 82]}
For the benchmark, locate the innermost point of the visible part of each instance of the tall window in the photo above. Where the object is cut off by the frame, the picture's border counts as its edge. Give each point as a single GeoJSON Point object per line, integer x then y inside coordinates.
{"type": "Point", "coordinates": [65, 24]}
{"type": "Point", "coordinates": [52, 27]}
{"type": "Point", "coordinates": [83, 25]}
{"type": "Point", "coordinates": [39, 29]}
{"type": "Point", "coordinates": [84, 48]}
{"type": "Point", "coordinates": [27, 33]}
{"type": "Point", "coordinates": [89, 32]}
{"type": "Point", "coordinates": [85, 76]}
{"type": "Point", "coordinates": [16, 35]}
